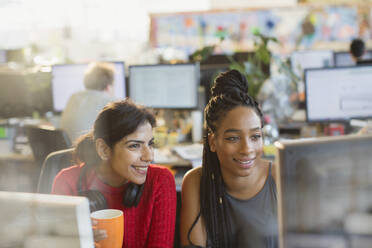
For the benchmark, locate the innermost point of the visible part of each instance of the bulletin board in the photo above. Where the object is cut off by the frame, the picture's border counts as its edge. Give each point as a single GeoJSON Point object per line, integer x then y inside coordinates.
{"type": "Point", "coordinates": [191, 31]}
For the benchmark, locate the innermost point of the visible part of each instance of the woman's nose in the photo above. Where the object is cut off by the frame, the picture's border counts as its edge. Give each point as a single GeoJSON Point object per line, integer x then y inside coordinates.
{"type": "Point", "coordinates": [246, 147]}
{"type": "Point", "coordinates": [147, 154]}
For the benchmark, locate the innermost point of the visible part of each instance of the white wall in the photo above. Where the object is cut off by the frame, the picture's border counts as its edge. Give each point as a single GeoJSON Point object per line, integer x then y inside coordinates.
{"type": "Point", "coordinates": [84, 29]}
{"type": "Point", "coordinates": [223, 4]}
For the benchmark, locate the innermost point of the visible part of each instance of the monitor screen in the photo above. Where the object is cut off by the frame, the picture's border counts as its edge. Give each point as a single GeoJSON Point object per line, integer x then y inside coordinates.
{"type": "Point", "coordinates": [324, 192]}
{"type": "Point", "coordinates": [301, 60]}
{"type": "Point", "coordinates": [25, 93]}
{"type": "Point", "coordinates": [165, 86]}
{"type": "Point", "coordinates": [365, 62]}
{"type": "Point", "coordinates": [31, 220]}
{"type": "Point", "coordinates": [3, 57]}
{"type": "Point", "coordinates": [338, 94]}
{"type": "Point", "coordinates": [69, 78]}
{"type": "Point", "coordinates": [345, 59]}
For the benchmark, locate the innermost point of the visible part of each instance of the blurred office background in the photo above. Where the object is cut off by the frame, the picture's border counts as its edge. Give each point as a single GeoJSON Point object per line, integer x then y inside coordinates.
{"type": "Point", "coordinates": [43, 41]}
{"type": "Point", "coordinates": [303, 77]}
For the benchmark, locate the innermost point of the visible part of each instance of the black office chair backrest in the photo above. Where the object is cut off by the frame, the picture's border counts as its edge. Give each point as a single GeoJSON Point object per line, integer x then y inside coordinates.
{"type": "Point", "coordinates": [53, 164]}
{"type": "Point", "coordinates": [44, 140]}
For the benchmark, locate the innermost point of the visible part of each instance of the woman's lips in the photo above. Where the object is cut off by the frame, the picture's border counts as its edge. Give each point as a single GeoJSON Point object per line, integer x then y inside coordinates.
{"type": "Point", "coordinates": [142, 170]}
{"type": "Point", "coordinates": [245, 163]}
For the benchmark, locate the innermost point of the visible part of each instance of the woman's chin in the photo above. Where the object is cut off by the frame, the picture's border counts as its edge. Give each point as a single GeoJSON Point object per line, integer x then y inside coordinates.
{"type": "Point", "coordinates": [138, 180]}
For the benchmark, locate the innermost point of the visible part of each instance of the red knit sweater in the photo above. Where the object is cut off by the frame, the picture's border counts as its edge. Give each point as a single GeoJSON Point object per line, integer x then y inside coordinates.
{"type": "Point", "coordinates": [151, 223]}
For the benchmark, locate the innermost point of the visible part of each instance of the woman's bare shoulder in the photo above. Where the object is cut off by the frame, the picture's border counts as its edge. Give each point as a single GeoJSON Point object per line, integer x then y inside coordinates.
{"type": "Point", "coordinates": [190, 209]}
{"type": "Point", "coordinates": [191, 180]}
{"type": "Point", "coordinates": [193, 174]}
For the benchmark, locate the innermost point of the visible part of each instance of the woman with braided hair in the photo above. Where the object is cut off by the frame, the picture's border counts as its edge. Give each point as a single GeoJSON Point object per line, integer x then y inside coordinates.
{"type": "Point", "coordinates": [231, 200]}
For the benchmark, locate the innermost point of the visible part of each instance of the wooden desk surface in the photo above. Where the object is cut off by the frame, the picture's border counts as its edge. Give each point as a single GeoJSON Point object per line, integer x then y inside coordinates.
{"type": "Point", "coordinates": [19, 172]}
{"type": "Point", "coordinates": [6, 154]}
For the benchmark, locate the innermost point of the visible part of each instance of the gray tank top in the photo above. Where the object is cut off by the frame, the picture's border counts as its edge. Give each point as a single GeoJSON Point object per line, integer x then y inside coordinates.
{"type": "Point", "coordinates": [254, 221]}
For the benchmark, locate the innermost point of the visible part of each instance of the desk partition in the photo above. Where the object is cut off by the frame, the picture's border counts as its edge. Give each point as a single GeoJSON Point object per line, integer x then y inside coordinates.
{"type": "Point", "coordinates": [324, 192]}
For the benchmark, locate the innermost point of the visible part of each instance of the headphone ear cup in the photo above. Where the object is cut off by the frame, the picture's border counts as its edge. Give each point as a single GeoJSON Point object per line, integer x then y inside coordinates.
{"type": "Point", "coordinates": [139, 194]}
{"type": "Point", "coordinates": [132, 195]}
{"type": "Point", "coordinates": [96, 199]}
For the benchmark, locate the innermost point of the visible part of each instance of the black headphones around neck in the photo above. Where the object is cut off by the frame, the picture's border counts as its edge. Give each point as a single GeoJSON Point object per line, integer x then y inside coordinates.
{"type": "Point", "coordinates": [131, 197]}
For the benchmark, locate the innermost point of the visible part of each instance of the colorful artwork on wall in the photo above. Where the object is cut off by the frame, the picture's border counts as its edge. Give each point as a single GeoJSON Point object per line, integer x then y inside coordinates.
{"type": "Point", "coordinates": [294, 27]}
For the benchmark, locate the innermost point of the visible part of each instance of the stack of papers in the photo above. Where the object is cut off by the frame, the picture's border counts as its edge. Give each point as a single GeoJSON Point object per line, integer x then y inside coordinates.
{"type": "Point", "coordinates": [193, 153]}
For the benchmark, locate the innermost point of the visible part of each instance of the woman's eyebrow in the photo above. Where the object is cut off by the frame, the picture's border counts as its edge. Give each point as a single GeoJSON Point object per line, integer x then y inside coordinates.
{"type": "Point", "coordinates": [136, 141]}
{"type": "Point", "coordinates": [232, 130]}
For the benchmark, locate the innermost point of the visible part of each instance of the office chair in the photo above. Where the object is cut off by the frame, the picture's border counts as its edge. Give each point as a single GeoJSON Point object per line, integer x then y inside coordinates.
{"type": "Point", "coordinates": [44, 140]}
{"type": "Point", "coordinates": [53, 164]}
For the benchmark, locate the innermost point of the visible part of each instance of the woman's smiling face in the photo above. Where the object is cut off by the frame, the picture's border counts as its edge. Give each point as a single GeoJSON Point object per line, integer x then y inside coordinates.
{"type": "Point", "coordinates": [132, 155]}
{"type": "Point", "coordinates": [238, 141]}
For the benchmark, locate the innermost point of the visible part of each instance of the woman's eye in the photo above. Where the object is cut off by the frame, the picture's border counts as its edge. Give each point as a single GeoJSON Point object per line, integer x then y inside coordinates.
{"type": "Point", "coordinates": [151, 143]}
{"type": "Point", "coordinates": [232, 138]}
{"type": "Point", "coordinates": [256, 137]}
{"type": "Point", "coordinates": [134, 146]}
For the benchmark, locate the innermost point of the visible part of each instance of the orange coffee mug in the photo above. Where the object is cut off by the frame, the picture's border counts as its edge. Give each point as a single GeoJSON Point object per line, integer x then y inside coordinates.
{"type": "Point", "coordinates": [111, 220]}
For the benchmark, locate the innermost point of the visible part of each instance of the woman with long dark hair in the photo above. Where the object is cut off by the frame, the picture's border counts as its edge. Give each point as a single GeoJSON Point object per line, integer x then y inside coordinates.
{"type": "Point", "coordinates": [113, 169]}
{"type": "Point", "coordinates": [231, 200]}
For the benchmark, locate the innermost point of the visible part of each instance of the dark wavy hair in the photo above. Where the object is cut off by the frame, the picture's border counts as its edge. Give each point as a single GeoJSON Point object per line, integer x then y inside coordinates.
{"type": "Point", "coordinates": [228, 92]}
{"type": "Point", "coordinates": [115, 121]}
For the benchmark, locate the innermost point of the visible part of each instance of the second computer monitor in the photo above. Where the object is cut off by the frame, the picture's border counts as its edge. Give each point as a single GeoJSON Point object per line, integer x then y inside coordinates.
{"type": "Point", "coordinates": [345, 59]}
{"type": "Point", "coordinates": [301, 60]}
{"type": "Point", "coordinates": [338, 94]}
{"type": "Point", "coordinates": [172, 86]}
{"type": "Point", "coordinates": [3, 58]}
{"type": "Point", "coordinates": [68, 79]}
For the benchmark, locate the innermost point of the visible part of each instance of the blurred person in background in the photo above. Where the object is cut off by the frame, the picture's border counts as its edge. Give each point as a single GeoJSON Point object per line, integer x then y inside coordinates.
{"type": "Point", "coordinates": [82, 107]}
{"type": "Point", "coordinates": [357, 49]}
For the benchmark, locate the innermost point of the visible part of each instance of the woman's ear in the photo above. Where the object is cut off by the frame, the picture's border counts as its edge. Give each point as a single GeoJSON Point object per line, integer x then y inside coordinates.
{"type": "Point", "coordinates": [212, 142]}
{"type": "Point", "coordinates": [103, 150]}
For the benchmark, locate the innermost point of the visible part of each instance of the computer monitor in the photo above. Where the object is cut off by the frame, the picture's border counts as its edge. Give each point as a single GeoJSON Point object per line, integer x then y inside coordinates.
{"type": "Point", "coordinates": [3, 57]}
{"type": "Point", "coordinates": [172, 86]}
{"type": "Point", "coordinates": [338, 94]}
{"type": "Point", "coordinates": [344, 58]}
{"type": "Point", "coordinates": [68, 79]}
{"type": "Point", "coordinates": [25, 93]}
{"type": "Point", "coordinates": [32, 220]}
{"type": "Point", "coordinates": [365, 62]}
{"type": "Point", "coordinates": [301, 60]}
{"type": "Point", "coordinates": [324, 192]}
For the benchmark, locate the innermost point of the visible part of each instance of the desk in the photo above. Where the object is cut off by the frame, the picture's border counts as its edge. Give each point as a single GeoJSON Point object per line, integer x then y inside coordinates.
{"type": "Point", "coordinates": [164, 156]}
{"type": "Point", "coordinates": [175, 163]}
{"type": "Point", "coordinates": [19, 172]}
